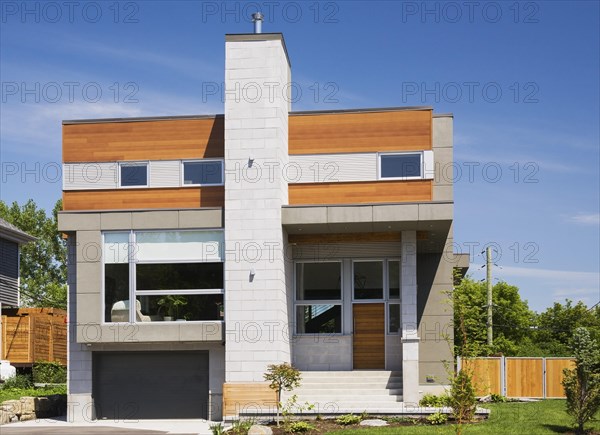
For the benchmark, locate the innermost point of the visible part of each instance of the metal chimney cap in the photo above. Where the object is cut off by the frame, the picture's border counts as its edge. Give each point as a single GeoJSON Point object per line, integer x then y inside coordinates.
{"type": "Point", "coordinates": [257, 16]}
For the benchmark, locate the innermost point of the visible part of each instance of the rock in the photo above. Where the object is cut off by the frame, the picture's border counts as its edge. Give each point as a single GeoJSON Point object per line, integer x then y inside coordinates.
{"type": "Point", "coordinates": [12, 406]}
{"type": "Point", "coordinates": [374, 422]}
{"type": "Point", "coordinates": [27, 405]}
{"type": "Point", "coordinates": [28, 416]}
{"type": "Point", "coordinates": [485, 399]}
{"type": "Point", "coordinates": [5, 416]}
{"type": "Point", "coordinates": [257, 429]}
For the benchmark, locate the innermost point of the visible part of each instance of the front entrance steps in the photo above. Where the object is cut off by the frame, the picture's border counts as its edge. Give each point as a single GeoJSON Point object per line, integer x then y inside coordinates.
{"type": "Point", "coordinates": [344, 392]}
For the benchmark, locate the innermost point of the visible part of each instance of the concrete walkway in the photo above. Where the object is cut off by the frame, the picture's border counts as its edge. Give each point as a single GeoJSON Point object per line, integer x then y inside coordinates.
{"type": "Point", "coordinates": [59, 425]}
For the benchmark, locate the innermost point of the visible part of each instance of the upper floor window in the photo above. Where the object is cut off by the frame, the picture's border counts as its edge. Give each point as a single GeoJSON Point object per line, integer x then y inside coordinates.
{"type": "Point", "coordinates": [133, 174]}
{"type": "Point", "coordinates": [203, 172]}
{"type": "Point", "coordinates": [403, 165]}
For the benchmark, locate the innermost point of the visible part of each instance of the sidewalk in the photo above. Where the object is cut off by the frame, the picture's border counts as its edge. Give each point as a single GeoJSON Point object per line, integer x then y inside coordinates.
{"type": "Point", "coordinates": [59, 425]}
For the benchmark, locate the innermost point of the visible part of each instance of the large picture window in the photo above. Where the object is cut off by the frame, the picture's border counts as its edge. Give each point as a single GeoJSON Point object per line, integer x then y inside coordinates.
{"type": "Point", "coordinates": [171, 275]}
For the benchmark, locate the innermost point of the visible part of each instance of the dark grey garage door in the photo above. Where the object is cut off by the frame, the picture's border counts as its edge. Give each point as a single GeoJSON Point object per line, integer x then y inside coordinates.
{"type": "Point", "coordinates": [150, 385]}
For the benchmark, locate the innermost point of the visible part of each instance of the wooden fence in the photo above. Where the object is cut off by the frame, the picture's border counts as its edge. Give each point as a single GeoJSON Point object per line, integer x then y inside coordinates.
{"type": "Point", "coordinates": [518, 377]}
{"type": "Point", "coordinates": [34, 334]}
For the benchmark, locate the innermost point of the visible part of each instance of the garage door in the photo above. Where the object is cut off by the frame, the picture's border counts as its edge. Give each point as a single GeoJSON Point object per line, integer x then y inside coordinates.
{"type": "Point", "coordinates": [150, 385]}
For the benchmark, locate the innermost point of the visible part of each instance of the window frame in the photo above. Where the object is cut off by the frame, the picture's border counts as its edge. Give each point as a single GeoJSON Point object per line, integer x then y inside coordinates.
{"type": "Point", "coordinates": [388, 317]}
{"type": "Point", "coordinates": [131, 164]}
{"type": "Point", "coordinates": [308, 302]}
{"type": "Point", "coordinates": [421, 155]}
{"type": "Point", "coordinates": [182, 171]}
{"type": "Point", "coordinates": [384, 290]}
{"type": "Point", "coordinates": [133, 293]}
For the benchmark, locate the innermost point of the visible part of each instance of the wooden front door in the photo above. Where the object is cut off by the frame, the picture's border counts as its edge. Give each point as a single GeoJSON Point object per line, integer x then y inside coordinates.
{"type": "Point", "coordinates": [369, 336]}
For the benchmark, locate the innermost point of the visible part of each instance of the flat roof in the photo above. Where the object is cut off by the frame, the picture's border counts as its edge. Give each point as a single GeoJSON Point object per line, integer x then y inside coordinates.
{"type": "Point", "coordinates": [212, 116]}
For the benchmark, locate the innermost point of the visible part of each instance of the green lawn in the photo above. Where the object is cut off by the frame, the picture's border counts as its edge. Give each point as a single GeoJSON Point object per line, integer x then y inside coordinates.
{"type": "Point", "coordinates": [16, 393]}
{"type": "Point", "coordinates": [544, 417]}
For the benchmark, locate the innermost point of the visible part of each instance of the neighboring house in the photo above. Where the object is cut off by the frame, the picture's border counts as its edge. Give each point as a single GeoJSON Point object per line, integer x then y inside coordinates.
{"type": "Point", "coordinates": [259, 236]}
{"type": "Point", "coordinates": [11, 238]}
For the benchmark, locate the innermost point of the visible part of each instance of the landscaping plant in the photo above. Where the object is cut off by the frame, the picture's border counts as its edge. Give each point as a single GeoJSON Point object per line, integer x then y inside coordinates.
{"type": "Point", "coordinates": [282, 377]}
{"type": "Point", "coordinates": [582, 384]}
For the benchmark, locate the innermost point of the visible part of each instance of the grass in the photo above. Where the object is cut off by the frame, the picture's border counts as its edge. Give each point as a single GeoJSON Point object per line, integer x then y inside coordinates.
{"type": "Point", "coordinates": [512, 418]}
{"type": "Point", "coordinates": [16, 393]}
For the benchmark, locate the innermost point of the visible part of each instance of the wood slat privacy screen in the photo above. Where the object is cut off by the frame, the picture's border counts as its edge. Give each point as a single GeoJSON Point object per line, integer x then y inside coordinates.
{"type": "Point", "coordinates": [518, 377]}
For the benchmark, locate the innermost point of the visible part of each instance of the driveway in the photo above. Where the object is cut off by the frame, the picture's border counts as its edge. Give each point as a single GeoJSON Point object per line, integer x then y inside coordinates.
{"type": "Point", "coordinates": [141, 427]}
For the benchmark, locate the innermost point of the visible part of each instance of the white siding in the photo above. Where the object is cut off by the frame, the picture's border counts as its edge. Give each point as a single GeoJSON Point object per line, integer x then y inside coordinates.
{"type": "Point", "coordinates": [327, 168]}
{"type": "Point", "coordinates": [87, 176]}
{"type": "Point", "coordinates": [165, 173]}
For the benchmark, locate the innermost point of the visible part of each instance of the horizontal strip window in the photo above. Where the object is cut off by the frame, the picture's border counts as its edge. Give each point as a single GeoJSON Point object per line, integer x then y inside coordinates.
{"type": "Point", "coordinates": [133, 174]}
{"type": "Point", "coordinates": [150, 174]}
{"type": "Point", "coordinates": [406, 166]}
{"type": "Point", "coordinates": [203, 173]}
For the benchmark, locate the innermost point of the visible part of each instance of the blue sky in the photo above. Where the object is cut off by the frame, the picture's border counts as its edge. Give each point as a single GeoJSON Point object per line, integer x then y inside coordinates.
{"type": "Point", "coordinates": [522, 80]}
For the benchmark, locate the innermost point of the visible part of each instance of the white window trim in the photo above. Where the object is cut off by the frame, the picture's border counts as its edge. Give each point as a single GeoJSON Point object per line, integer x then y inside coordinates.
{"type": "Point", "coordinates": [182, 179]}
{"type": "Point", "coordinates": [135, 163]}
{"type": "Point", "coordinates": [425, 163]}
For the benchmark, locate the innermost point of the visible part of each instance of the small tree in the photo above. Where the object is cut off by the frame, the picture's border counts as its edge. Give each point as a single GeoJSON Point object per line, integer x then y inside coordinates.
{"type": "Point", "coordinates": [582, 384]}
{"type": "Point", "coordinates": [282, 377]}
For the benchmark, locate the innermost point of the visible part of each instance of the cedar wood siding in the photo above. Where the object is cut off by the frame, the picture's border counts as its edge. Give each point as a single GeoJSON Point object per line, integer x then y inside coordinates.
{"type": "Point", "coordinates": [405, 130]}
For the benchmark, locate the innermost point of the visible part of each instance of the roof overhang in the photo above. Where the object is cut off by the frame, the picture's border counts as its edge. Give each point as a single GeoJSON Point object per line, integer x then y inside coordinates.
{"type": "Point", "coordinates": [432, 220]}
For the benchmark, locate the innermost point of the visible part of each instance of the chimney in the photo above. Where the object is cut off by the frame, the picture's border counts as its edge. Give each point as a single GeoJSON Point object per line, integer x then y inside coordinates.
{"type": "Point", "coordinates": [257, 19]}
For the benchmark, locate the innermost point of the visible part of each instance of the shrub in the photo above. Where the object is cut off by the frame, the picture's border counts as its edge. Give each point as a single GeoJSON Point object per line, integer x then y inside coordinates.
{"type": "Point", "coordinates": [217, 429]}
{"type": "Point", "coordinates": [582, 384]}
{"type": "Point", "coordinates": [434, 401]}
{"type": "Point", "coordinates": [300, 426]}
{"type": "Point", "coordinates": [282, 377]}
{"type": "Point", "coordinates": [462, 397]}
{"type": "Point", "coordinates": [240, 427]}
{"type": "Point", "coordinates": [46, 372]}
{"type": "Point", "coordinates": [497, 398]}
{"type": "Point", "coordinates": [348, 419]}
{"type": "Point", "coordinates": [437, 418]}
{"type": "Point", "coordinates": [18, 382]}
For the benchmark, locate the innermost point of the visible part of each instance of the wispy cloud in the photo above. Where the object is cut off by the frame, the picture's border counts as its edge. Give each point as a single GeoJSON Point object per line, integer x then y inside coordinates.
{"type": "Point", "coordinates": [586, 218]}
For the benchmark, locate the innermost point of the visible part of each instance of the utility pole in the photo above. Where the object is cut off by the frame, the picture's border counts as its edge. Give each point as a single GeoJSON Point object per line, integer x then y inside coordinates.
{"type": "Point", "coordinates": [488, 261]}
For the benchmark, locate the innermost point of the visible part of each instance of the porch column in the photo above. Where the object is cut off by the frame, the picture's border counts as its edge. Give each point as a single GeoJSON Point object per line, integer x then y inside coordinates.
{"type": "Point", "coordinates": [410, 339]}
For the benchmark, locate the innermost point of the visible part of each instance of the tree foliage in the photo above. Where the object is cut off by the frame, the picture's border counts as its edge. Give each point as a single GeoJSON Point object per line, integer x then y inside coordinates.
{"type": "Point", "coordinates": [582, 384]}
{"type": "Point", "coordinates": [555, 327]}
{"type": "Point", "coordinates": [512, 318]}
{"type": "Point", "coordinates": [43, 262]}
{"type": "Point", "coordinates": [282, 377]}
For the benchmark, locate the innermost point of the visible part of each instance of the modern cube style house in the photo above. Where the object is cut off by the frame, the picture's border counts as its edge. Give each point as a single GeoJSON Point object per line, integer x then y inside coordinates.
{"type": "Point", "coordinates": [204, 248]}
